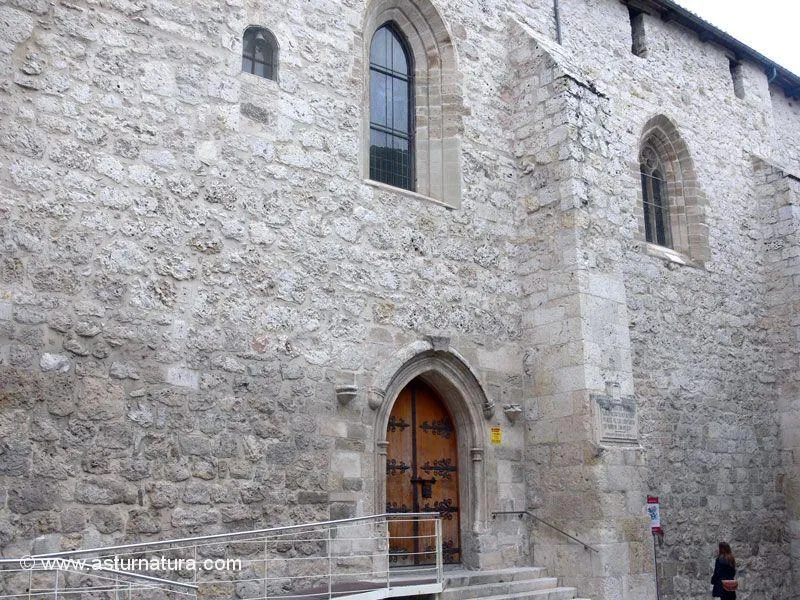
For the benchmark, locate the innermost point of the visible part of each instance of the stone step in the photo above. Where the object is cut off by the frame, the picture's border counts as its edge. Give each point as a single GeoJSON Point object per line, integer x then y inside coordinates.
{"type": "Point", "coordinates": [500, 588]}
{"type": "Point", "coordinates": [553, 593]}
{"type": "Point", "coordinates": [463, 578]}
{"type": "Point", "coordinates": [519, 583]}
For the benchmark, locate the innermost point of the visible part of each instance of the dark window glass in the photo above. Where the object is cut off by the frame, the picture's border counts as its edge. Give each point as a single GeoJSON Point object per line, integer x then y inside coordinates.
{"type": "Point", "coordinates": [260, 53]}
{"type": "Point", "coordinates": [391, 109]}
{"type": "Point", "coordinates": [648, 227]}
{"type": "Point", "coordinates": [655, 202]}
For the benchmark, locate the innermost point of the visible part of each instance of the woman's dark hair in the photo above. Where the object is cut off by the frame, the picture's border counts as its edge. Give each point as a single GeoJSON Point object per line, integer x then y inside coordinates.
{"type": "Point", "coordinates": [726, 553]}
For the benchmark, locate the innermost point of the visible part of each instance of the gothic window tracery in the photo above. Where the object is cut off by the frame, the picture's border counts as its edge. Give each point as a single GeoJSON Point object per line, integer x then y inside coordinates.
{"type": "Point", "coordinates": [654, 198]}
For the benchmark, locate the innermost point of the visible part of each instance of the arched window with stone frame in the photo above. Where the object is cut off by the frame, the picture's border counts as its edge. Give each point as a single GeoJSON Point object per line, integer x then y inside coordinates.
{"type": "Point", "coordinates": [415, 29]}
{"type": "Point", "coordinates": [260, 53]}
{"type": "Point", "coordinates": [672, 207]}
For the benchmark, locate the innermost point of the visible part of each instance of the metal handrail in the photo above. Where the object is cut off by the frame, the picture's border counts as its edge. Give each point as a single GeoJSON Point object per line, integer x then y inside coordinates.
{"type": "Point", "coordinates": [150, 579]}
{"type": "Point", "coordinates": [96, 580]}
{"type": "Point", "coordinates": [520, 513]}
{"type": "Point", "coordinates": [235, 534]}
{"type": "Point", "coordinates": [124, 574]}
{"type": "Point", "coordinates": [355, 555]}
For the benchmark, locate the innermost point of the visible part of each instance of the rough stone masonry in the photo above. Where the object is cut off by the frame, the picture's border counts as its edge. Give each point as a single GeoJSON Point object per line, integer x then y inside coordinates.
{"type": "Point", "coordinates": [194, 261]}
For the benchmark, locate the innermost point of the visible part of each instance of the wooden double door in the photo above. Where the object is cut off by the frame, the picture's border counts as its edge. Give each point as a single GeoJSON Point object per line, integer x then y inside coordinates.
{"type": "Point", "coordinates": [422, 476]}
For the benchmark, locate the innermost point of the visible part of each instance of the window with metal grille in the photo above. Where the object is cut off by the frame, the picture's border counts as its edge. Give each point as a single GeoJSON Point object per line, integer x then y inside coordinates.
{"type": "Point", "coordinates": [391, 106]}
{"type": "Point", "coordinates": [260, 53]}
{"type": "Point", "coordinates": [654, 199]}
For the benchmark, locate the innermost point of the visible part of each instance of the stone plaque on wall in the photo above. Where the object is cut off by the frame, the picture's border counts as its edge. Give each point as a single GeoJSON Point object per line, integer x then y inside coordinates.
{"type": "Point", "coordinates": [616, 419]}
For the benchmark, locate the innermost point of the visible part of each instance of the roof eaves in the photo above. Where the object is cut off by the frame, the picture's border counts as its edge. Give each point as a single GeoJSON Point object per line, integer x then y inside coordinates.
{"type": "Point", "coordinates": [673, 12]}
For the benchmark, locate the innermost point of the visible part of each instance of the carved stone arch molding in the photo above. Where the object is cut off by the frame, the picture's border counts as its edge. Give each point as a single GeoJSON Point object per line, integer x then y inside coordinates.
{"type": "Point", "coordinates": [459, 386]}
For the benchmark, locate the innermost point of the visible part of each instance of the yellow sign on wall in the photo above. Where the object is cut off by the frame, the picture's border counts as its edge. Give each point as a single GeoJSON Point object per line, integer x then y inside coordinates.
{"type": "Point", "coordinates": [497, 436]}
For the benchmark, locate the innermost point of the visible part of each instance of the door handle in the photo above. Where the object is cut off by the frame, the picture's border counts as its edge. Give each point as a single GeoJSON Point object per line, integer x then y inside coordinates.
{"type": "Point", "coordinates": [427, 485]}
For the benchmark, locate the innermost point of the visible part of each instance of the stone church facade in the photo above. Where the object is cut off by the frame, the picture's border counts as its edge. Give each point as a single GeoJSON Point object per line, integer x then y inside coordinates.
{"type": "Point", "coordinates": [212, 295]}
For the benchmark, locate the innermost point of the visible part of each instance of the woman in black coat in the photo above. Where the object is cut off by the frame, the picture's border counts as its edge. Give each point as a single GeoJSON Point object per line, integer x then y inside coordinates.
{"type": "Point", "coordinates": [724, 568]}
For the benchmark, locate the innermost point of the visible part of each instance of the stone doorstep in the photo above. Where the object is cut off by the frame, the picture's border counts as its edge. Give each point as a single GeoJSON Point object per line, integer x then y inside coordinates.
{"type": "Point", "coordinates": [504, 584]}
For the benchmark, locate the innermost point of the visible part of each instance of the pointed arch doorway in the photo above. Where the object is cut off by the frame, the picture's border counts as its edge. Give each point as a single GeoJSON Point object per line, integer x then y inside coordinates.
{"type": "Point", "coordinates": [422, 474]}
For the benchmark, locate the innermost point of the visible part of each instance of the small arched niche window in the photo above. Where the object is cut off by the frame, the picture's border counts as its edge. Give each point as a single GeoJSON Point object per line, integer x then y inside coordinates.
{"type": "Point", "coordinates": [260, 53]}
{"type": "Point", "coordinates": [654, 198]}
{"type": "Point", "coordinates": [391, 109]}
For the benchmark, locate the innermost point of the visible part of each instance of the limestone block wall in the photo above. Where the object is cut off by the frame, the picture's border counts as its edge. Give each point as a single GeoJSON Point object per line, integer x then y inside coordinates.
{"type": "Point", "coordinates": [702, 376]}
{"type": "Point", "coordinates": [778, 193]}
{"type": "Point", "coordinates": [577, 329]}
{"type": "Point", "coordinates": [558, 427]}
{"type": "Point", "coordinates": [191, 263]}
{"type": "Point", "coordinates": [785, 130]}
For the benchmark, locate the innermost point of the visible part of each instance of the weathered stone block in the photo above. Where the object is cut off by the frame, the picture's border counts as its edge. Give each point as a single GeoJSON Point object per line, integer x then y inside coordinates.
{"type": "Point", "coordinates": [193, 517]}
{"type": "Point", "coordinates": [308, 497]}
{"type": "Point", "coordinates": [54, 362]}
{"type": "Point", "coordinates": [143, 522]}
{"type": "Point", "coordinates": [163, 495]}
{"type": "Point", "coordinates": [34, 496]}
{"type": "Point", "coordinates": [203, 469]}
{"type": "Point", "coordinates": [14, 457]}
{"type": "Point", "coordinates": [96, 490]}
{"type": "Point", "coordinates": [342, 510]}
{"type": "Point", "coordinates": [100, 400]}
{"type": "Point", "coordinates": [352, 484]}
{"type": "Point", "coordinates": [195, 445]}
{"type": "Point", "coordinates": [15, 25]}
{"type": "Point", "coordinates": [107, 520]}
{"type": "Point", "coordinates": [73, 520]}
{"type": "Point", "coordinates": [183, 377]}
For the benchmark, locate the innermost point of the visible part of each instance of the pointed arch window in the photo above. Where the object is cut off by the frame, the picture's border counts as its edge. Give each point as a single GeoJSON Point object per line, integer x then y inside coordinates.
{"type": "Point", "coordinates": [260, 53]}
{"type": "Point", "coordinates": [672, 206]}
{"type": "Point", "coordinates": [391, 123]}
{"type": "Point", "coordinates": [654, 198]}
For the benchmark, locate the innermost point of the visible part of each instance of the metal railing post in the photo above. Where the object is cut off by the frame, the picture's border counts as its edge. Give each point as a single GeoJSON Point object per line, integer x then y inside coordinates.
{"type": "Point", "coordinates": [330, 565]}
{"type": "Point", "coordinates": [439, 557]}
{"type": "Point", "coordinates": [266, 559]}
{"type": "Point", "coordinates": [385, 531]}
